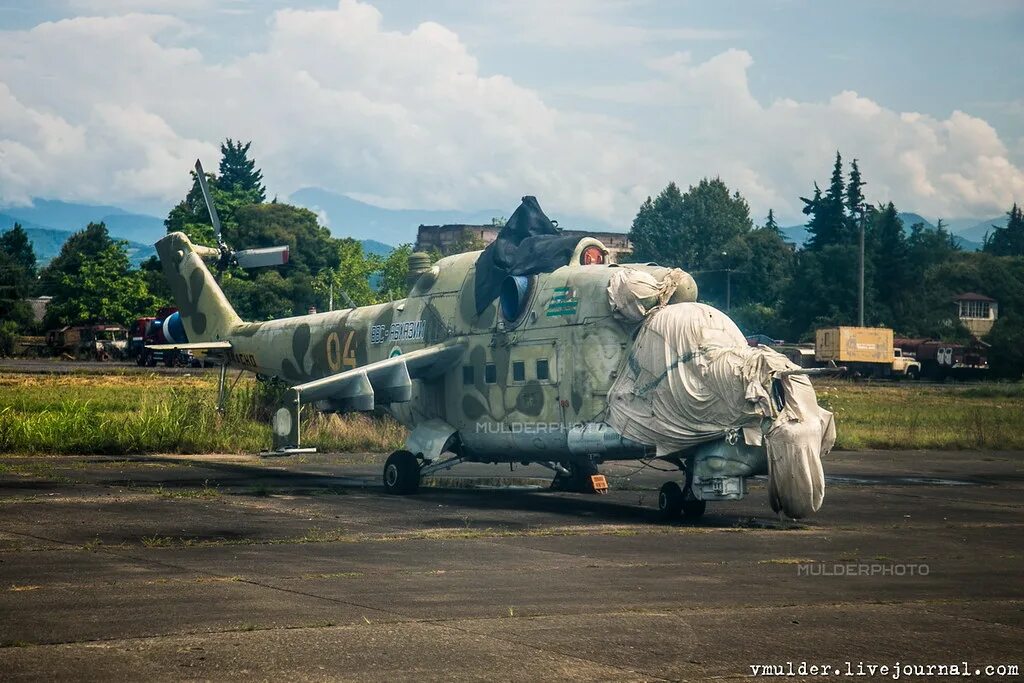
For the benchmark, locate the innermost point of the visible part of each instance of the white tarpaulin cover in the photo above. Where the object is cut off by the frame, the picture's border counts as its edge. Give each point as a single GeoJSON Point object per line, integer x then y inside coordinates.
{"type": "Point", "coordinates": [691, 378]}
{"type": "Point", "coordinates": [634, 293]}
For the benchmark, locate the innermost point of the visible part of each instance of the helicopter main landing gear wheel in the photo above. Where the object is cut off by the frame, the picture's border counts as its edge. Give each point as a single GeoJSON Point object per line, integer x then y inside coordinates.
{"type": "Point", "coordinates": [672, 503]}
{"type": "Point", "coordinates": [402, 473]}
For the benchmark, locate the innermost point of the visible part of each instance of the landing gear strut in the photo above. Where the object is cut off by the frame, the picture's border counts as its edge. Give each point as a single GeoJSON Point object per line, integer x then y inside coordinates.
{"type": "Point", "coordinates": [580, 477]}
{"type": "Point", "coordinates": [402, 473]}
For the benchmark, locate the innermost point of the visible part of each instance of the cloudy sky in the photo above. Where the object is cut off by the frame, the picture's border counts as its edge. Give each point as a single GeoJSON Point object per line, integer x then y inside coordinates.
{"type": "Point", "coordinates": [589, 104]}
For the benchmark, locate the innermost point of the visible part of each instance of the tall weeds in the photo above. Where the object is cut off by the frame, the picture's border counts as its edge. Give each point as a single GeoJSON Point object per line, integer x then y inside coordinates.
{"type": "Point", "coordinates": [152, 415]}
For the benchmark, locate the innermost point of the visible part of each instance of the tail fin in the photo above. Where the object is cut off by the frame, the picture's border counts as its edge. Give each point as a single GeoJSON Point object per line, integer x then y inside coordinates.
{"type": "Point", "coordinates": [205, 310]}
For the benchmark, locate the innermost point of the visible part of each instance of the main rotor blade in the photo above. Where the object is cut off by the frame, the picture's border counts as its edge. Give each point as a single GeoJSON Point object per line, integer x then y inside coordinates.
{"type": "Point", "coordinates": [265, 256]}
{"type": "Point", "coordinates": [209, 201]}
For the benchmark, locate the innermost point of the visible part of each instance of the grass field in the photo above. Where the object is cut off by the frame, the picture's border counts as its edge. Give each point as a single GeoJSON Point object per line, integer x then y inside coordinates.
{"type": "Point", "coordinates": [139, 413]}
{"type": "Point", "coordinates": [911, 415]}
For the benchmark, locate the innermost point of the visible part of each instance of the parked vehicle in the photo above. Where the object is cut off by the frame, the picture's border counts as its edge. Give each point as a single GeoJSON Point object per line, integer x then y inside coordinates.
{"type": "Point", "coordinates": [161, 329]}
{"type": "Point", "coordinates": [865, 351]}
{"type": "Point", "coordinates": [941, 360]}
{"type": "Point", "coordinates": [88, 342]}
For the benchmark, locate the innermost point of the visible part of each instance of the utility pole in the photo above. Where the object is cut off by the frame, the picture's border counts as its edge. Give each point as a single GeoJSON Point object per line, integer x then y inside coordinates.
{"type": "Point", "coordinates": [860, 280]}
{"type": "Point", "coordinates": [728, 290]}
{"type": "Point", "coordinates": [728, 284]}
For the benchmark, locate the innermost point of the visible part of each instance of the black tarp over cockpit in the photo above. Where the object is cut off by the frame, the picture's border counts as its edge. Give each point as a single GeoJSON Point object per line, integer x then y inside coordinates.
{"type": "Point", "coordinates": [528, 244]}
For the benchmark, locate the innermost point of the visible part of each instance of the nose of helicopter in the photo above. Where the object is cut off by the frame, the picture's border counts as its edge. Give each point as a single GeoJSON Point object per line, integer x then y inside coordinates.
{"type": "Point", "coordinates": [691, 378]}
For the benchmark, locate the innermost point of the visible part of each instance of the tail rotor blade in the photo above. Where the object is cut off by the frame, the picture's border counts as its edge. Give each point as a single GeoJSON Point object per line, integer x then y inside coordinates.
{"type": "Point", "coordinates": [260, 258]}
{"type": "Point", "coordinates": [209, 201]}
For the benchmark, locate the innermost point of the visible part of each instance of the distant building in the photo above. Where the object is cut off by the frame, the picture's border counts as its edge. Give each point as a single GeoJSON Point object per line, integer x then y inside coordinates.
{"type": "Point", "coordinates": [453, 238]}
{"type": "Point", "coordinates": [977, 312]}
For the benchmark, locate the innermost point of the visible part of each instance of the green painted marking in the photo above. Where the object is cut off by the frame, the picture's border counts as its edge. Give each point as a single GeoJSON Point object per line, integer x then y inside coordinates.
{"type": "Point", "coordinates": [562, 308]}
{"type": "Point", "coordinates": [563, 302]}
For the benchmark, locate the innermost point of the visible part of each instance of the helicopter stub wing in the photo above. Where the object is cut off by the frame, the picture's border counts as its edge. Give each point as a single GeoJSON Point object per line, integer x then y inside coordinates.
{"type": "Point", "coordinates": [192, 346]}
{"type": "Point", "coordinates": [385, 381]}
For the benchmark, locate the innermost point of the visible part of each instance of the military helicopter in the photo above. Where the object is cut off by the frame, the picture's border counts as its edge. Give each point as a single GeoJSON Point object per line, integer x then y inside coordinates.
{"type": "Point", "coordinates": [535, 350]}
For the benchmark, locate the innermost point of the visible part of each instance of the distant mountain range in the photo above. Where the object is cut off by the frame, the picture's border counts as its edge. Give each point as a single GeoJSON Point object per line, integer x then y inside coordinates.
{"type": "Point", "coordinates": [47, 241]}
{"type": "Point", "coordinates": [71, 217]}
{"type": "Point", "coordinates": [969, 233]}
{"type": "Point", "coordinates": [50, 222]}
{"type": "Point", "coordinates": [349, 217]}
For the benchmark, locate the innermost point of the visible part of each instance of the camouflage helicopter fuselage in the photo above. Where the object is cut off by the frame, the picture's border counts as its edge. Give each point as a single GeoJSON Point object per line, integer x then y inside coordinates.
{"type": "Point", "coordinates": [512, 390]}
{"type": "Point", "coordinates": [538, 374]}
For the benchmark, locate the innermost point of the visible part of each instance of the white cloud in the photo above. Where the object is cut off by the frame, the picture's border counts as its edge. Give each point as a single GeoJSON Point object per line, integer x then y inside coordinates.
{"type": "Point", "coordinates": [116, 108]}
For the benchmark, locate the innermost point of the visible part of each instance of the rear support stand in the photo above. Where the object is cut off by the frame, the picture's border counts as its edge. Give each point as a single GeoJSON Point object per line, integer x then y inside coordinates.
{"type": "Point", "coordinates": [286, 427]}
{"type": "Point", "coordinates": [221, 394]}
{"type": "Point", "coordinates": [224, 391]}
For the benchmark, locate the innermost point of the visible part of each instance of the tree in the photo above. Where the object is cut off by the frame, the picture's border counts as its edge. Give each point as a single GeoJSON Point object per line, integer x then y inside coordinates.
{"type": "Point", "coordinates": [689, 230]}
{"type": "Point", "coordinates": [240, 184]}
{"type": "Point", "coordinates": [1008, 241]}
{"type": "Point", "coordinates": [651, 225]}
{"type": "Point", "coordinates": [935, 315]}
{"type": "Point", "coordinates": [16, 244]}
{"type": "Point", "coordinates": [153, 273]}
{"type": "Point", "coordinates": [823, 291]}
{"type": "Point", "coordinates": [191, 215]}
{"type": "Point", "coordinates": [761, 265]}
{"type": "Point", "coordinates": [829, 224]}
{"type": "Point", "coordinates": [854, 193]}
{"type": "Point", "coordinates": [356, 268]}
{"type": "Point", "coordinates": [394, 271]}
{"type": "Point", "coordinates": [890, 256]}
{"type": "Point", "coordinates": [770, 224]}
{"type": "Point", "coordinates": [263, 296]}
{"type": "Point", "coordinates": [17, 276]}
{"type": "Point", "coordinates": [310, 245]}
{"type": "Point", "coordinates": [824, 288]}
{"type": "Point", "coordinates": [248, 222]}
{"type": "Point", "coordinates": [1006, 356]}
{"type": "Point", "coordinates": [764, 276]}
{"type": "Point", "coordinates": [91, 281]}
{"type": "Point", "coordinates": [923, 312]}
{"type": "Point", "coordinates": [238, 173]}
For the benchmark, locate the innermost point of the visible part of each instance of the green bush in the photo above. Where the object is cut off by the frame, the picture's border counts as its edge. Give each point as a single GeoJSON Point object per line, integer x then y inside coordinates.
{"type": "Point", "coordinates": [8, 337]}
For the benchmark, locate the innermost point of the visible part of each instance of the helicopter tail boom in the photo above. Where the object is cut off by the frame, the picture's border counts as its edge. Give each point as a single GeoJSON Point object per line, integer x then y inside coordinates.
{"type": "Point", "coordinates": [205, 312]}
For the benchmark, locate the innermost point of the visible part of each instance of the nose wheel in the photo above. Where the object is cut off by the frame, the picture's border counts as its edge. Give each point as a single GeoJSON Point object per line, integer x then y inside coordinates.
{"type": "Point", "coordinates": [673, 502]}
{"type": "Point", "coordinates": [402, 473]}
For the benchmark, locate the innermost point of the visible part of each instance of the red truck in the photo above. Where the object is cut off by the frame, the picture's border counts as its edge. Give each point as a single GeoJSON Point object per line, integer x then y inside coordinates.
{"type": "Point", "coordinates": [940, 360]}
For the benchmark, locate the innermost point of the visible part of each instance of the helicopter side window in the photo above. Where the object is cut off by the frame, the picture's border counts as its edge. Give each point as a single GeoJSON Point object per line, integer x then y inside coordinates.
{"type": "Point", "coordinates": [467, 375]}
{"type": "Point", "coordinates": [518, 371]}
{"type": "Point", "coordinates": [490, 374]}
{"type": "Point", "coordinates": [543, 372]}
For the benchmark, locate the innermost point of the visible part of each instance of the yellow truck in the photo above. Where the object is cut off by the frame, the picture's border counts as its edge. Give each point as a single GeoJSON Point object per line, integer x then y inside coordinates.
{"type": "Point", "coordinates": [865, 351]}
